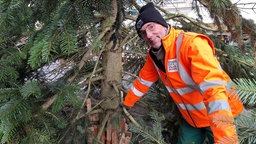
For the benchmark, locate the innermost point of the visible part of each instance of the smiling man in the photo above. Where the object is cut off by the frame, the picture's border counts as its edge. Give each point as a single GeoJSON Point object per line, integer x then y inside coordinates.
{"type": "Point", "coordinates": [187, 65]}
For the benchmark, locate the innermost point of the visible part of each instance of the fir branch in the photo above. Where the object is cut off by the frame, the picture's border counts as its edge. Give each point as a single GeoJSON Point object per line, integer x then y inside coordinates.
{"type": "Point", "coordinates": [8, 130]}
{"type": "Point", "coordinates": [246, 123]}
{"type": "Point", "coordinates": [150, 134]}
{"type": "Point", "coordinates": [97, 139]}
{"type": "Point", "coordinates": [81, 63]}
{"type": "Point", "coordinates": [89, 87]}
{"type": "Point", "coordinates": [30, 88]}
{"type": "Point", "coordinates": [7, 93]}
{"type": "Point", "coordinates": [7, 74]}
{"type": "Point", "coordinates": [228, 140]}
{"type": "Point", "coordinates": [13, 114]}
{"type": "Point", "coordinates": [66, 94]}
{"type": "Point", "coordinates": [246, 89]}
{"type": "Point", "coordinates": [126, 112]}
{"type": "Point", "coordinates": [225, 122]}
{"type": "Point", "coordinates": [49, 102]}
{"type": "Point", "coordinates": [39, 53]}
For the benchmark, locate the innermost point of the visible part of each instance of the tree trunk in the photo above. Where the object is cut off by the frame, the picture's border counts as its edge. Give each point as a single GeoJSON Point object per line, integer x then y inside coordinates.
{"type": "Point", "coordinates": [112, 64]}
{"type": "Point", "coordinates": [112, 127]}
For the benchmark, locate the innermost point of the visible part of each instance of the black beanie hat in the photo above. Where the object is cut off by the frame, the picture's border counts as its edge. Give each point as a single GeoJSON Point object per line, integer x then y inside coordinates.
{"type": "Point", "coordinates": [148, 13]}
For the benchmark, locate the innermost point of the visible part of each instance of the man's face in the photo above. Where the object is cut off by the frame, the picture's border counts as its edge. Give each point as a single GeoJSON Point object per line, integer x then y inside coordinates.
{"type": "Point", "coordinates": [152, 33]}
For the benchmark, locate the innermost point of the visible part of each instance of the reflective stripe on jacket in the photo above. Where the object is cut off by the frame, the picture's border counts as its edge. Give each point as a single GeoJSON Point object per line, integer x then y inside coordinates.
{"type": "Point", "coordinates": [193, 76]}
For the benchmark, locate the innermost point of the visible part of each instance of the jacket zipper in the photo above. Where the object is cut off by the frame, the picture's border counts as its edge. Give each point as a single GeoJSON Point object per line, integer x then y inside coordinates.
{"type": "Point", "coordinates": [182, 102]}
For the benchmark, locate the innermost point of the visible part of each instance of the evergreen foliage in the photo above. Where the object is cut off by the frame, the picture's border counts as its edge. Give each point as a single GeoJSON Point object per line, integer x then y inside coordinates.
{"type": "Point", "coordinates": [232, 58]}
{"type": "Point", "coordinates": [154, 109]}
{"type": "Point", "coordinates": [246, 127]}
{"type": "Point", "coordinates": [20, 112]}
{"type": "Point", "coordinates": [27, 115]}
{"type": "Point", "coordinates": [246, 122]}
{"type": "Point", "coordinates": [151, 134]}
{"type": "Point", "coordinates": [246, 88]}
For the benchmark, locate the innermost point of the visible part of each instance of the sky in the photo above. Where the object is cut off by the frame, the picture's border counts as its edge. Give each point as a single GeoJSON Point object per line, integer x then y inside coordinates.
{"type": "Point", "coordinates": [248, 11]}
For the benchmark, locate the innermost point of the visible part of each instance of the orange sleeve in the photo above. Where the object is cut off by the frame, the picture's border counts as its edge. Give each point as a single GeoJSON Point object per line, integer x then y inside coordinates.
{"type": "Point", "coordinates": [147, 73]}
{"type": "Point", "coordinates": [221, 121]}
{"type": "Point", "coordinates": [205, 68]}
{"type": "Point", "coordinates": [130, 99]}
{"type": "Point", "coordinates": [223, 127]}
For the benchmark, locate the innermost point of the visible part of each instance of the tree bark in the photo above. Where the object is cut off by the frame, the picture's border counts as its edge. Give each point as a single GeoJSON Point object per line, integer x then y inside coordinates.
{"type": "Point", "coordinates": [112, 64]}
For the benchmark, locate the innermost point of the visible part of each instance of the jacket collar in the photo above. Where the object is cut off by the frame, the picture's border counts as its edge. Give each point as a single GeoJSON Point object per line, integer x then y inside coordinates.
{"type": "Point", "coordinates": [169, 40]}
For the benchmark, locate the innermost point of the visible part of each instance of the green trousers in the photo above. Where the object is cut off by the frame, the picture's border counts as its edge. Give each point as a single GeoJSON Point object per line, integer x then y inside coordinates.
{"type": "Point", "coordinates": [191, 135]}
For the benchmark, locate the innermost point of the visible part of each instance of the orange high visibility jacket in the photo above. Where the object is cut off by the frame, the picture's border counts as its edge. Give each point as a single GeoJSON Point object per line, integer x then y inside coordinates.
{"type": "Point", "coordinates": [192, 74]}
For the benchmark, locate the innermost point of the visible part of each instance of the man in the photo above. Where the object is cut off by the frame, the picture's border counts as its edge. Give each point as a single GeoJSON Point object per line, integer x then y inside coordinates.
{"type": "Point", "coordinates": [186, 64]}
